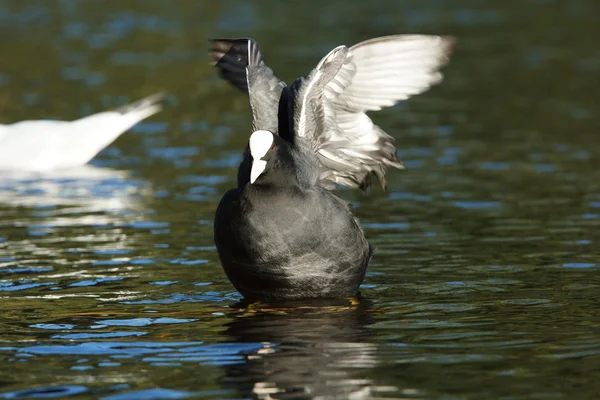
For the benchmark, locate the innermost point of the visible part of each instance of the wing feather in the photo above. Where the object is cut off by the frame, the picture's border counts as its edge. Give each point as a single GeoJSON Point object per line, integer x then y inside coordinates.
{"type": "Point", "coordinates": [385, 70]}
{"type": "Point", "coordinates": [393, 68]}
{"type": "Point", "coordinates": [240, 62]}
{"type": "Point", "coordinates": [232, 56]}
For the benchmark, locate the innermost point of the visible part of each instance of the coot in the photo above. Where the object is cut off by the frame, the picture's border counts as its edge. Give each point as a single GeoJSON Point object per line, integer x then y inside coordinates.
{"type": "Point", "coordinates": [282, 234]}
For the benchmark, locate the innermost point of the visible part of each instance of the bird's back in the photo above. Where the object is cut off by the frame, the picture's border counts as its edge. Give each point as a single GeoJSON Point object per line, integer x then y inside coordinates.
{"type": "Point", "coordinates": [288, 242]}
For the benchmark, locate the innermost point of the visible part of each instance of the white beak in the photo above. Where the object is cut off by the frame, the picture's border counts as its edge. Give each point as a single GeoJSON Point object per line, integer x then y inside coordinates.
{"type": "Point", "coordinates": [258, 166]}
{"type": "Point", "coordinates": [260, 143]}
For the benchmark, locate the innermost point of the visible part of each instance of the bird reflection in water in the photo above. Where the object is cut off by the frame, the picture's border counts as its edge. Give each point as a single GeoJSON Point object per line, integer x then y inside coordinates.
{"type": "Point", "coordinates": [316, 351]}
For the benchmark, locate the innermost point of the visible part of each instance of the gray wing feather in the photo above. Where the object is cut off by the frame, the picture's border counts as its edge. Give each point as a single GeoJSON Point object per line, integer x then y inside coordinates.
{"type": "Point", "coordinates": [311, 113]}
{"type": "Point", "coordinates": [264, 90]}
{"type": "Point", "coordinates": [393, 68]}
{"type": "Point", "coordinates": [240, 62]}
{"type": "Point", "coordinates": [379, 73]}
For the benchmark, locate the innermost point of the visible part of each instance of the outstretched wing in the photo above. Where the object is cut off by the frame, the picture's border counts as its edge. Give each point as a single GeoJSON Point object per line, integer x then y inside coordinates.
{"type": "Point", "coordinates": [240, 62]}
{"type": "Point", "coordinates": [393, 68]}
{"type": "Point", "coordinates": [387, 70]}
{"type": "Point", "coordinates": [232, 56]}
{"type": "Point", "coordinates": [328, 106]}
{"type": "Point", "coordinates": [267, 96]}
{"type": "Point", "coordinates": [310, 109]}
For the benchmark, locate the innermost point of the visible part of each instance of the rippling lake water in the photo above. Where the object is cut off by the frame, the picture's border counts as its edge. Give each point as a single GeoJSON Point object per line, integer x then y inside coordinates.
{"type": "Point", "coordinates": [485, 283]}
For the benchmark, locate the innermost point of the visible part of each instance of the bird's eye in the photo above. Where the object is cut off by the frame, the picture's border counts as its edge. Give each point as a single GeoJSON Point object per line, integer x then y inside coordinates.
{"type": "Point", "coordinates": [272, 147]}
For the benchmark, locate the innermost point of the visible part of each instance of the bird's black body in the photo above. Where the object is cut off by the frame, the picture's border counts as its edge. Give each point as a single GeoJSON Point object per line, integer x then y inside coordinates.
{"type": "Point", "coordinates": [289, 243]}
{"type": "Point", "coordinates": [284, 238]}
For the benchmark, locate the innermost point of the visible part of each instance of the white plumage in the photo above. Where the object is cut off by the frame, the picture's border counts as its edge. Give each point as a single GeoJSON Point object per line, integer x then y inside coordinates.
{"type": "Point", "coordinates": [47, 145]}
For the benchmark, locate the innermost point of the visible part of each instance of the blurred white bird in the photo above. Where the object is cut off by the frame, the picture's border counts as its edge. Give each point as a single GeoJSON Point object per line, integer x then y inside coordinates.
{"type": "Point", "coordinates": [46, 145]}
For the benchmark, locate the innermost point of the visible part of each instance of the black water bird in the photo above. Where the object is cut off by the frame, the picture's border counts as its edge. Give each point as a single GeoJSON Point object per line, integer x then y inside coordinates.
{"type": "Point", "coordinates": [282, 233]}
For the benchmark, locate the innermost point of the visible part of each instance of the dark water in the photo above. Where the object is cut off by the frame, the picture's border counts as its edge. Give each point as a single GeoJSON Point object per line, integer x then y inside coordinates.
{"type": "Point", "coordinates": [485, 283]}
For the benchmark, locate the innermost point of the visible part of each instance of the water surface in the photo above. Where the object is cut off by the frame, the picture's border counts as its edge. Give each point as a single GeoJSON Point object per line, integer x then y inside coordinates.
{"type": "Point", "coordinates": [485, 280]}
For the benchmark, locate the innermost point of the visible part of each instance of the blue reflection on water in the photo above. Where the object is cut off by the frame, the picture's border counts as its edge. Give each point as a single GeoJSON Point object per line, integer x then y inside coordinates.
{"type": "Point", "coordinates": [45, 392]}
